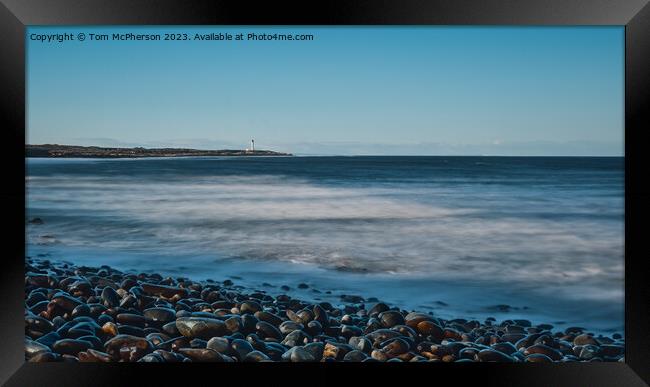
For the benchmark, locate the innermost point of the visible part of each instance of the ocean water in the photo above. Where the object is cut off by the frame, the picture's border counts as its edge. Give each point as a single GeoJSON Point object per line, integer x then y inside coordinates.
{"type": "Point", "coordinates": [457, 236]}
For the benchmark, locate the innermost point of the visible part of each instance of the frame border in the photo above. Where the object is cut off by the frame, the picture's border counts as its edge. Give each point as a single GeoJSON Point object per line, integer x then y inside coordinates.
{"type": "Point", "coordinates": [16, 15]}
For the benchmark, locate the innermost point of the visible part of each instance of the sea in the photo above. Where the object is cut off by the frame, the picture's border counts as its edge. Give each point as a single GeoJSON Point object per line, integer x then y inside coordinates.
{"type": "Point", "coordinates": [539, 238]}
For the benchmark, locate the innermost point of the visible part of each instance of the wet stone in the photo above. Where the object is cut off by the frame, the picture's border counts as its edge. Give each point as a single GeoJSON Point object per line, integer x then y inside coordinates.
{"type": "Point", "coordinates": [490, 355]}
{"type": "Point", "coordinates": [315, 349]}
{"type": "Point", "coordinates": [40, 280]}
{"type": "Point", "coordinates": [320, 315]}
{"type": "Point", "coordinates": [200, 327]}
{"type": "Point", "coordinates": [585, 339]}
{"type": "Point", "coordinates": [275, 351]}
{"type": "Point", "coordinates": [548, 341]}
{"type": "Point", "coordinates": [378, 308]}
{"type": "Point", "coordinates": [94, 341]}
{"type": "Point", "coordinates": [515, 329]}
{"type": "Point", "coordinates": [241, 348]}
{"type": "Point", "coordinates": [92, 355]}
{"type": "Point", "coordinates": [49, 339]}
{"type": "Point", "coordinates": [250, 307]}
{"type": "Point", "coordinates": [380, 335]}
{"type": "Point", "coordinates": [96, 310]}
{"type": "Point", "coordinates": [269, 318]}
{"type": "Point", "coordinates": [538, 358]}
{"type": "Point", "coordinates": [355, 356]}
{"type": "Point", "coordinates": [34, 298]}
{"type": "Point", "coordinates": [313, 328]}
{"type": "Point", "coordinates": [514, 337]}
{"type": "Point", "coordinates": [79, 330]}
{"type": "Point", "coordinates": [233, 324]}
{"type": "Point", "coordinates": [128, 348]}
{"type": "Point", "coordinates": [171, 357]}
{"type": "Point", "coordinates": [289, 326]}
{"type": "Point", "coordinates": [305, 316]}
{"type": "Point", "coordinates": [379, 355]}
{"type": "Point", "coordinates": [38, 324]}
{"type": "Point", "coordinates": [81, 310]}
{"type": "Point", "coordinates": [70, 346]}
{"type": "Point", "coordinates": [65, 302]}
{"type": "Point", "coordinates": [299, 355]}
{"type": "Point", "coordinates": [159, 316]}
{"type": "Point", "coordinates": [219, 344]}
{"type": "Point", "coordinates": [294, 338]}
{"type": "Point", "coordinates": [248, 323]}
{"type": "Point", "coordinates": [505, 347]}
{"type": "Point", "coordinates": [110, 297]}
{"type": "Point", "coordinates": [265, 330]}
{"type": "Point", "coordinates": [41, 306]}
{"type": "Point", "coordinates": [152, 358]}
{"type": "Point", "coordinates": [391, 318]}
{"type": "Point", "coordinates": [170, 329]}
{"type": "Point", "coordinates": [157, 338]}
{"type": "Point", "coordinates": [544, 350]}
{"type": "Point", "coordinates": [32, 348]}
{"type": "Point", "coordinates": [256, 356]}
{"type": "Point", "coordinates": [348, 331]}
{"type": "Point", "coordinates": [394, 347]}
{"type": "Point", "coordinates": [130, 319]}
{"type": "Point", "coordinates": [360, 343]}
{"type": "Point", "coordinates": [589, 352]}
{"type": "Point", "coordinates": [429, 328]}
{"type": "Point", "coordinates": [468, 353]}
{"type": "Point", "coordinates": [45, 357]}
{"type": "Point", "coordinates": [198, 343]}
{"type": "Point", "coordinates": [163, 290]}
{"type": "Point", "coordinates": [202, 355]}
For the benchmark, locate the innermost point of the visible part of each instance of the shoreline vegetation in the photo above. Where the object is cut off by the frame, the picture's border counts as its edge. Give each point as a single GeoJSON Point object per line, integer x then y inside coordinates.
{"type": "Point", "coordinates": [74, 151]}
{"type": "Point", "coordinates": [99, 314]}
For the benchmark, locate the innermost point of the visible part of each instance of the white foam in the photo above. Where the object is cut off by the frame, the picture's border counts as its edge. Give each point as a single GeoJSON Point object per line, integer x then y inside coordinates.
{"type": "Point", "coordinates": [378, 229]}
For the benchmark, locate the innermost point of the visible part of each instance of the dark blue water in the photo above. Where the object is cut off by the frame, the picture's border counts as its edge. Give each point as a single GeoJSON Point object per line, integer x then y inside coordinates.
{"type": "Point", "coordinates": [455, 235]}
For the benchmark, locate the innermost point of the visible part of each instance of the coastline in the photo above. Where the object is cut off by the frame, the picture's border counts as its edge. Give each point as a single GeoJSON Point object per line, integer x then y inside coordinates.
{"type": "Point", "coordinates": [79, 313]}
{"type": "Point", "coordinates": [445, 296]}
{"type": "Point", "coordinates": [83, 152]}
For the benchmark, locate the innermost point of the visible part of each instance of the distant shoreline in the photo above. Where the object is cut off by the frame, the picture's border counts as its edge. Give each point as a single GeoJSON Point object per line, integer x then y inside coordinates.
{"type": "Point", "coordinates": [74, 151]}
{"type": "Point", "coordinates": [88, 152]}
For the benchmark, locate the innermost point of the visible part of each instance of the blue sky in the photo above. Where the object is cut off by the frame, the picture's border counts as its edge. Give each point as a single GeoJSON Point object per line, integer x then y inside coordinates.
{"type": "Point", "coordinates": [356, 90]}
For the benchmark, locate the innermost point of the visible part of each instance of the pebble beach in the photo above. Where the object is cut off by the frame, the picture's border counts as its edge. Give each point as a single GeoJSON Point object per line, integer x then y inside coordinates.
{"type": "Point", "coordinates": [99, 314]}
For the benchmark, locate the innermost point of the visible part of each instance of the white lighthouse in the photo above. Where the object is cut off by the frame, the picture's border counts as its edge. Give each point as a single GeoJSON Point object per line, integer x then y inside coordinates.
{"type": "Point", "coordinates": [252, 145]}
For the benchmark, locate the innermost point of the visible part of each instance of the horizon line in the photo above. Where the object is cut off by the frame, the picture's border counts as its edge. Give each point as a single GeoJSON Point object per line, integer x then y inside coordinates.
{"type": "Point", "coordinates": [327, 154]}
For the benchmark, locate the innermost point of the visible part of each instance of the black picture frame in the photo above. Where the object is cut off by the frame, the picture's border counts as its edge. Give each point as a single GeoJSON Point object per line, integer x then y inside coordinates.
{"type": "Point", "coordinates": [16, 15]}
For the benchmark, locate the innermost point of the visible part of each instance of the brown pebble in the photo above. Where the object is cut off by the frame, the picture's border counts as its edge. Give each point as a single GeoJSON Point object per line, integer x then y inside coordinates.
{"type": "Point", "coordinates": [544, 350]}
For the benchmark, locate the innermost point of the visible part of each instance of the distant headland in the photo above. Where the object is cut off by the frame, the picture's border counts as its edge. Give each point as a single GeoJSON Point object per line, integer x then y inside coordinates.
{"type": "Point", "coordinates": [74, 151]}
